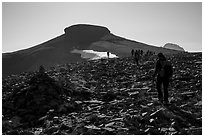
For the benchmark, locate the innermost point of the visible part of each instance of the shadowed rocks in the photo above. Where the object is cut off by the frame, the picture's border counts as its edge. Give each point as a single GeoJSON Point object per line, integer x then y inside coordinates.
{"type": "Point", "coordinates": [109, 97]}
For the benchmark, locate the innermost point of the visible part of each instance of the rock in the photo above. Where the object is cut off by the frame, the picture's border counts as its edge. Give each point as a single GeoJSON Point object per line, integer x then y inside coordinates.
{"type": "Point", "coordinates": [94, 102]}
{"type": "Point", "coordinates": [198, 104]}
{"type": "Point", "coordinates": [38, 131]}
{"type": "Point", "coordinates": [64, 127]}
{"type": "Point", "coordinates": [93, 118]}
{"type": "Point", "coordinates": [68, 107]}
{"type": "Point", "coordinates": [13, 123]}
{"type": "Point", "coordinates": [133, 93]}
{"type": "Point", "coordinates": [189, 94]}
{"type": "Point", "coordinates": [51, 130]}
{"type": "Point", "coordinates": [55, 120]}
{"type": "Point", "coordinates": [109, 129]}
{"type": "Point", "coordinates": [152, 131]}
{"type": "Point", "coordinates": [50, 114]}
{"type": "Point", "coordinates": [109, 96]}
{"type": "Point", "coordinates": [40, 95]}
{"type": "Point", "coordinates": [92, 127]}
{"type": "Point", "coordinates": [13, 132]}
{"type": "Point", "coordinates": [110, 124]}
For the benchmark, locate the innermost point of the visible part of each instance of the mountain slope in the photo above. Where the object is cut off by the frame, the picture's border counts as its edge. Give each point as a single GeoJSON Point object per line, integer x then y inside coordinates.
{"type": "Point", "coordinates": [104, 97]}
{"type": "Point", "coordinates": [58, 50]}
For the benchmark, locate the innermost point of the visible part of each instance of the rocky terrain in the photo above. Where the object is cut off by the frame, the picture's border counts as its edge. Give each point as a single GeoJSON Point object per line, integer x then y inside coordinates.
{"type": "Point", "coordinates": [104, 97]}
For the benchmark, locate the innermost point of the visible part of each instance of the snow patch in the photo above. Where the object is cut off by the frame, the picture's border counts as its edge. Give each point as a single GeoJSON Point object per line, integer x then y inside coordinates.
{"type": "Point", "coordinates": [93, 55]}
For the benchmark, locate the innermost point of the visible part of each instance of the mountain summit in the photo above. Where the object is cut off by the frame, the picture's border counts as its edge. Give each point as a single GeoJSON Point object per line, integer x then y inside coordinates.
{"type": "Point", "coordinates": [59, 50]}
{"type": "Point", "coordinates": [85, 34]}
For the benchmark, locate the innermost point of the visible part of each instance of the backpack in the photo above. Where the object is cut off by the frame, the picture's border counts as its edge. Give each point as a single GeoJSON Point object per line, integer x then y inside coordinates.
{"type": "Point", "coordinates": [162, 71]}
{"type": "Point", "coordinates": [166, 69]}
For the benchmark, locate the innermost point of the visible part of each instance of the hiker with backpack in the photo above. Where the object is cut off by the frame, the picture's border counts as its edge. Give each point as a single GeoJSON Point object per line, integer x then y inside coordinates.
{"type": "Point", "coordinates": [164, 72]}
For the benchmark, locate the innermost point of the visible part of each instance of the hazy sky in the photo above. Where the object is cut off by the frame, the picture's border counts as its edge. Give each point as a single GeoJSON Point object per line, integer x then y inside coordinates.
{"type": "Point", "coordinates": [28, 24]}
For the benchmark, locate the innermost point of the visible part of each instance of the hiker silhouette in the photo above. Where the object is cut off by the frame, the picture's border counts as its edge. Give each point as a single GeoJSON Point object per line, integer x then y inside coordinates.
{"type": "Point", "coordinates": [132, 52]}
{"type": "Point", "coordinates": [164, 72]}
{"type": "Point", "coordinates": [141, 52]}
{"type": "Point", "coordinates": [136, 57]}
{"type": "Point", "coordinates": [108, 54]}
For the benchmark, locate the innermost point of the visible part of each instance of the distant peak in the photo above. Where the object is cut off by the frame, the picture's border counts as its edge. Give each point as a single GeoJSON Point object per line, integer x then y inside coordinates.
{"type": "Point", "coordinates": [173, 46]}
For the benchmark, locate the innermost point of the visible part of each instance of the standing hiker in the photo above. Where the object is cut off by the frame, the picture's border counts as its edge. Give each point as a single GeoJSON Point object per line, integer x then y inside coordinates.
{"type": "Point", "coordinates": [141, 52]}
{"type": "Point", "coordinates": [108, 54]}
{"type": "Point", "coordinates": [132, 52]}
{"type": "Point", "coordinates": [136, 57]}
{"type": "Point", "coordinates": [164, 72]}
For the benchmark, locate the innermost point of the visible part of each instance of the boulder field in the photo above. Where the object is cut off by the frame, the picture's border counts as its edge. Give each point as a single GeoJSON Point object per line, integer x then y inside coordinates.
{"type": "Point", "coordinates": [104, 97]}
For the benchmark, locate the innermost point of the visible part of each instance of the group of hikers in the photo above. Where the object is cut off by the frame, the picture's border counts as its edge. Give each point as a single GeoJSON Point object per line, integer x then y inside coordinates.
{"type": "Point", "coordinates": [163, 71]}
{"type": "Point", "coordinates": [139, 54]}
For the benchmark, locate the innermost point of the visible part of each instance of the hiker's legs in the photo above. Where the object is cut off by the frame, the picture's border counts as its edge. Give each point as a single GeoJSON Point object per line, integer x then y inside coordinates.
{"type": "Point", "coordinates": [158, 86]}
{"type": "Point", "coordinates": [166, 94]}
{"type": "Point", "coordinates": [136, 60]}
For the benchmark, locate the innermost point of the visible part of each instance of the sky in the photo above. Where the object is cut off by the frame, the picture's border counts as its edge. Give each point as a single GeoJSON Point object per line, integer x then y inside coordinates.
{"type": "Point", "coordinates": [28, 24]}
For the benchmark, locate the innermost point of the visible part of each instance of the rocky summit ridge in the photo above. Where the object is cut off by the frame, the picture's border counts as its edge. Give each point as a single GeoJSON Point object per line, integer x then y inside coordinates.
{"type": "Point", "coordinates": [104, 97]}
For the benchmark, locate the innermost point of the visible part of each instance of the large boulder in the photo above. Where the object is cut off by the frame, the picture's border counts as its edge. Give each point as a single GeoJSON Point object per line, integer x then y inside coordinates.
{"type": "Point", "coordinates": [40, 94]}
